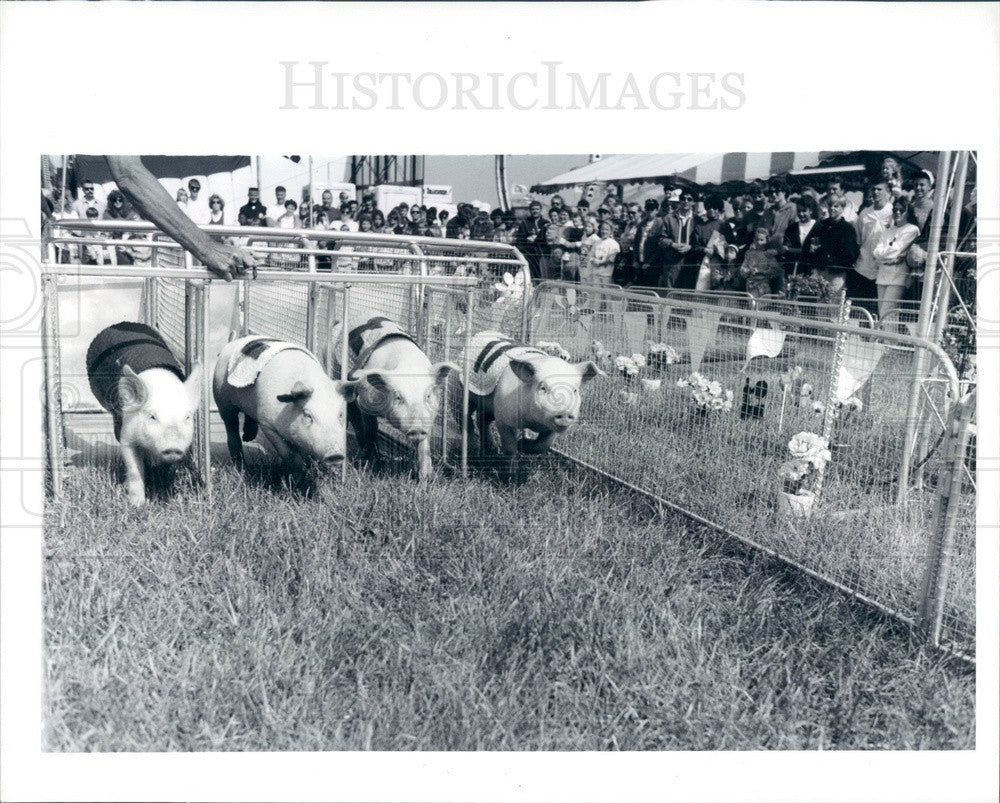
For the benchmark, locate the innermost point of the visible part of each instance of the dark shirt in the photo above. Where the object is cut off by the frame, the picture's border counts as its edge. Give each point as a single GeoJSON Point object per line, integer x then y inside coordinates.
{"type": "Point", "coordinates": [253, 214]}
{"type": "Point", "coordinates": [528, 227]}
{"type": "Point", "coordinates": [838, 244]}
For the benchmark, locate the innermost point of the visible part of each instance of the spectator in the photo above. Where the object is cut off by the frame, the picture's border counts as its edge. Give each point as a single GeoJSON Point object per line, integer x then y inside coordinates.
{"type": "Point", "coordinates": [66, 253]}
{"type": "Point", "coordinates": [120, 209]}
{"type": "Point", "coordinates": [758, 194]}
{"type": "Point", "coordinates": [601, 255]}
{"type": "Point", "coordinates": [197, 207]}
{"type": "Point", "coordinates": [94, 254]}
{"type": "Point", "coordinates": [625, 264]}
{"type": "Point", "coordinates": [443, 220]}
{"type": "Point", "coordinates": [327, 204]}
{"type": "Point", "coordinates": [481, 229]}
{"type": "Point", "coordinates": [648, 250]}
{"type": "Point", "coordinates": [378, 221]}
{"type": "Point", "coordinates": [760, 269]}
{"type": "Point", "coordinates": [677, 242]}
{"type": "Point", "coordinates": [253, 212]}
{"type": "Point", "coordinates": [921, 207]}
{"type": "Point", "coordinates": [871, 222]}
{"type": "Point", "coordinates": [835, 189]}
{"type": "Point", "coordinates": [709, 243]}
{"type": "Point", "coordinates": [889, 252]}
{"type": "Point", "coordinates": [796, 251]}
{"type": "Point", "coordinates": [217, 207]}
{"type": "Point", "coordinates": [834, 243]}
{"type": "Point", "coordinates": [530, 239]}
{"type": "Point", "coordinates": [892, 175]}
{"type": "Point", "coordinates": [88, 200]}
{"type": "Point", "coordinates": [289, 219]}
{"type": "Point", "coordinates": [182, 199]}
{"type": "Point", "coordinates": [590, 239]}
{"type": "Point", "coordinates": [779, 214]}
{"type": "Point", "coordinates": [551, 267]}
{"type": "Point", "coordinates": [367, 203]}
{"type": "Point", "coordinates": [748, 220]}
{"type": "Point", "coordinates": [277, 209]}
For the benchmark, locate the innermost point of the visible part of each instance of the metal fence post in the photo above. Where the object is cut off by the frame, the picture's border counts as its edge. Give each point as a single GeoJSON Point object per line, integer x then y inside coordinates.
{"type": "Point", "coordinates": [344, 355]}
{"type": "Point", "coordinates": [939, 557]}
{"type": "Point", "coordinates": [53, 396]}
{"type": "Point", "coordinates": [447, 356]}
{"type": "Point", "coordinates": [313, 301]}
{"type": "Point", "coordinates": [839, 346]}
{"type": "Point", "coordinates": [204, 439]}
{"type": "Point", "coordinates": [469, 294]}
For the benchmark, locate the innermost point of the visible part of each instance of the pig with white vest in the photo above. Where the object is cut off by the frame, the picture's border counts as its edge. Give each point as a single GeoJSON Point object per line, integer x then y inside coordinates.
{"type": "Point", "coordinates": [522, 388]}
{"type": "Point", "coordinates": [136, 377]}
{"type": "Point", "coordinates": [284, 395]}
{"type": "Point", "coordinates": [398, 383]}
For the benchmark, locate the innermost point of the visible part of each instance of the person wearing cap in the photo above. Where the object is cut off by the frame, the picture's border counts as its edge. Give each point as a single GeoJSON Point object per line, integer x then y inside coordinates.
{"type": "Point", "coordinates": [253, 212]}
{"type": "Point", "coordinates": [197, 205]}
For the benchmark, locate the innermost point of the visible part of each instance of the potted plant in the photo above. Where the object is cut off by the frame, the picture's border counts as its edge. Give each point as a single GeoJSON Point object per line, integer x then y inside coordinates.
{"type": "Point", "coordinates": [632, 370]}
{"type": "Point", "coordinates": [660, 355]}
{"type": "Point", "coordinates": [809, 455]}
{"type": "Point", "coordinates": [843, 409]}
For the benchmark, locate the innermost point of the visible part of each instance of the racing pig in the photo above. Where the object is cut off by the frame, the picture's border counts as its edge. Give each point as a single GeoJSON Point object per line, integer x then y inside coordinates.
{"type": "Point", "coordinates": [284, 394]}
{"type": "Point", "coordinates": [398, 383]}
{"type": "Point", "coordinates": [521, 387]}
{"type": "Point", "coordinates": [136, 377]}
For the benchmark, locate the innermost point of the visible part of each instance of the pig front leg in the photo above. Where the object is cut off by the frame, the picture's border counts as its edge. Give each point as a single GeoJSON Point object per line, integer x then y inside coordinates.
{"type": "Point", "coordinates": [366, 431]}
{"type": "Point", "coordinates": [424, 466]}
{"type": "Point", "coordinates": [231, 418]}
{"type": "Point", "coordinates": [135, 474]}
{"type": "Point", "coordinates": [509, 442]}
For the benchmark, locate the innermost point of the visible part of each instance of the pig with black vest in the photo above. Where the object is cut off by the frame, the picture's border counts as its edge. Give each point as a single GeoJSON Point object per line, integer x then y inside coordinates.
{"type": "Point", "coordinates": [520, 387]}
{"type": "Point", "coordinates": [136, 377]}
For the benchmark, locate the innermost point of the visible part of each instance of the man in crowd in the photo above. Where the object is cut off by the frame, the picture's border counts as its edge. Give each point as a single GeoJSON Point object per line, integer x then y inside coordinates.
{"type": "Point", "coordinates": [277, 209]}
{"type": "Point", "coordinates": [647, 251]}
{"type": "Point", "coordinates": [779, 214]}
{"type": "Point", "coordinates": [872, 220]}
{"type": "Point", "coordinates": [530, 239]}
{"type": "Point", "coordinates": [87, 201]}
{"type": "Point", "coordinates": [677, 242]}
{"type": "Point", "coordinates": [197, 205]}
{"type": "Point", "coordinates": [835, 189]}
{"type": "Point", "coordinates": [253, 212]}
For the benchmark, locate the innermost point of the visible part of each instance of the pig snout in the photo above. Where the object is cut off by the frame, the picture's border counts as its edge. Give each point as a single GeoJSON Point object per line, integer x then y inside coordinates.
{"type": "Point", "coordinates": [333, 459]}
{"type": "Point", "coordinates": [171, 454]}
{"type": "Point", "coordinates": [564, 420]}
{"type": "Point", "coordinates": [416, 434]}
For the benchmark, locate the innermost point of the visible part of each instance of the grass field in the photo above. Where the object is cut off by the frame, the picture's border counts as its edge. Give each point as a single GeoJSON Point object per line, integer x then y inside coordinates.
{"type": "Point", "coordinates": [472, 614]}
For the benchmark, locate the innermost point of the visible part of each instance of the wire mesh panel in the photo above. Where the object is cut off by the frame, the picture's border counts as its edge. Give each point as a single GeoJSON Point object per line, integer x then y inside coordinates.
{"type": "Point", "coordinates": [789, 434]}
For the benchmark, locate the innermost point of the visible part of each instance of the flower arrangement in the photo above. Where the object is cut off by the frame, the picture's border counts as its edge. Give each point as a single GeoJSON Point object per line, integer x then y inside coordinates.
{"type": "Point", "coordinates": [630, 367]}
{"type": "Point", "coordinates": [813, 286]}
{"type": "Point", "coordinates": [842, 408]}
{"type": "Point", "coordinates": [706, 394]}
{"type": "Point", "coordinates": [601, 355]}
{"type": "Point", "coordinates": [660, 355]}
{"type": "Point", "coordinates": [792, 382]}
{"type": "Point", "coordinates": [810, 454]}
{"type": "Point", "coordinates": [553, 350]}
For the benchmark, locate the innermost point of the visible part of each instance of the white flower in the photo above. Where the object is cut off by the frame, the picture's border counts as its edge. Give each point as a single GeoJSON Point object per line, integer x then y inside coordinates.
{"type": "Point", "coordinates": [818, 407]}
{"type": "Point", "coordinates": [806, 390]}
{"type": "Point", "coordinates": [554, 349]}
{"type": "Point", "coordinates": [639, 360]}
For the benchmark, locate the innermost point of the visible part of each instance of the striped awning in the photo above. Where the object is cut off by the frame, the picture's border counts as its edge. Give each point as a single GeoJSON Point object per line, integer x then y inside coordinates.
{"type": "Point", "coordinates": [694, 168]}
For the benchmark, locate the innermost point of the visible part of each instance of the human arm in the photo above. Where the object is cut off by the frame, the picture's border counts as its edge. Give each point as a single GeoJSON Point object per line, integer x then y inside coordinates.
{"type": "Point", "coordinates": [158, 207]}
{"type": "Point", "coordinates": [893, 243]}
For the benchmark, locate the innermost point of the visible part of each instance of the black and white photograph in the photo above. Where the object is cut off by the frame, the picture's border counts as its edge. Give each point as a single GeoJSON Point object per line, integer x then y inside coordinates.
{"type": "Point", "coordinates": [380, 475]}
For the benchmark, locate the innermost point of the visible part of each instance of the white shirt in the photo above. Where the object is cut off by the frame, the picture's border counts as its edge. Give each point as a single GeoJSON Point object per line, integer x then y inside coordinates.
{"type": "Point", "coordinates": [274, 211]}
{"type": "Point", "coordinates": [804, 229]}
{"type": "Point", "coordinates": [198, 210]}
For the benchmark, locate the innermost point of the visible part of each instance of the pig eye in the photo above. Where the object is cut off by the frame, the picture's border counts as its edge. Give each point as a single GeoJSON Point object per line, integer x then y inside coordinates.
{"type": "Point", "coordinates": [307, 417]}
{"type": "Point", "coordinates": [152, 417]}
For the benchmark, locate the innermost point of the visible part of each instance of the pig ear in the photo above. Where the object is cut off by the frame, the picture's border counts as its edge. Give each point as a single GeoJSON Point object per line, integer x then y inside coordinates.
{"type": "Point", "coordinates": [523, 369]}
{"type": "Point", "coordinates": [349, 390]}
{"type": "Point", "coordinates": [440, 370]}
{"type": "Point", "coordinates": [132, 393]}
{"type": "Point", "coordinates": [300, 394]}
{"type": "Point", "coordinates": [588, 370]}
{"type": "Point", "coordinates": [193, 382]}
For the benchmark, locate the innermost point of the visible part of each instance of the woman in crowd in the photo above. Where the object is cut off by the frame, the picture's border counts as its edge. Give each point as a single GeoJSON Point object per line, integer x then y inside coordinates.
{"type": "Point", "coordinates": [120, 209]}
{"type": "Point", "coordinates": [796, 253]}
{"type": "Point", "coordinates": [182, 198]}
{"type": "Point", "coordinates": [834, 244]}
{"type": "Point", "coordinates": [890, 258]}
{"type": "Point", "coordinates": [378, 222]}
{"type": "Point", "coordinates": [216, 208]}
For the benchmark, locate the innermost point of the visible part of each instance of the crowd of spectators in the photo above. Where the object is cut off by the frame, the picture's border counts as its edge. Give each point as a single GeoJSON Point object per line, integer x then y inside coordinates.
{"type": "Point", "coordinates": [766, 240]}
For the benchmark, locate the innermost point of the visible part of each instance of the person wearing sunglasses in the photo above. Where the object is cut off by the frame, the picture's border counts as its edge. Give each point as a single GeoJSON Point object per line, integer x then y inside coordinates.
{"type": "Point", "coordinates": [156, 205]}
{"type": "Point", "coordinates": [87, 200]}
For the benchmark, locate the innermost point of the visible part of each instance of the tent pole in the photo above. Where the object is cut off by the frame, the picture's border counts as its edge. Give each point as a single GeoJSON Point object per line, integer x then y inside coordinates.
{"type": "Point", "coordinates": [951, 245]}
{"type": "Point", "coordinates": [62, 188]}
{"type": "Point", "coordinates": [312, 205]}
{"type": "Point", "coordinates": [500, 168]}
{"type": "Point", "coordinates": [257, 171]}
{"type": "Point", "coordinates": [923, 324]}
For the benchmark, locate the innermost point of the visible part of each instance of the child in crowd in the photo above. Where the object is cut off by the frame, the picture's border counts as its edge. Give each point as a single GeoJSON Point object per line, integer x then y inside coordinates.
{"type": "Point", "coordinates": [760, 266]}
{"type": "Point", "coordinates": [601, 256]}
